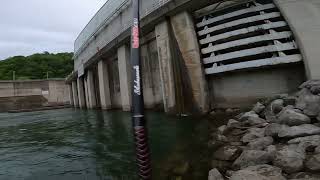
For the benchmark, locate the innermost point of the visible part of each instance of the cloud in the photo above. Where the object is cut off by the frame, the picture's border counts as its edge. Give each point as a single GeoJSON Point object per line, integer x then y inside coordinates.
{"type": "Point", "coordinates": [34, 26]}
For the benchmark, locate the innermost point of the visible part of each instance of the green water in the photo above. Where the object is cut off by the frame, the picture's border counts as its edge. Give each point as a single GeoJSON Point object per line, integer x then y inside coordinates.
{"type": "Point", "coordinates": [72, 144]}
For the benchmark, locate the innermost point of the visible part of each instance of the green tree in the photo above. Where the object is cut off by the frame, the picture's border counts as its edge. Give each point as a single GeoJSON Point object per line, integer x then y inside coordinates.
{"type": "Point", "coordinates": [37, 66]}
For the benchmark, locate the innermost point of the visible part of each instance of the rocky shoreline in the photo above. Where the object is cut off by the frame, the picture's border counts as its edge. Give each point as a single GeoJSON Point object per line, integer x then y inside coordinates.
{"type": "Point", "coordinates": [278, 139]}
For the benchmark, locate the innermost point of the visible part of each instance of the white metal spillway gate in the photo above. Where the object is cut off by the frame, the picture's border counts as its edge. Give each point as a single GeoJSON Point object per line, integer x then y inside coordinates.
{"type": "Point", "coordinates": [247, 35]}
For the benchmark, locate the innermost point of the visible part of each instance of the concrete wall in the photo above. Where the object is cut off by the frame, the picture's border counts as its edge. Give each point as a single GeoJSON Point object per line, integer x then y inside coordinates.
{"type": "Point", "coordinates": [304, 20]}
{"type": "Point", "coordinates": [243, 88]}
{"type": "Point", "coordinates": [55, 91]}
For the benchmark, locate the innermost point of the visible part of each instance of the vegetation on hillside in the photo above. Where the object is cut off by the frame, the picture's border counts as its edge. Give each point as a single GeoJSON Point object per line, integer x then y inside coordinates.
{"type": "Point", "coordinates": [37, 66]}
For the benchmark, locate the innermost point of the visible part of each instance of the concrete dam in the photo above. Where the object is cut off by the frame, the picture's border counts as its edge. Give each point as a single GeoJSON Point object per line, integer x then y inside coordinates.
{"type": "Point", "coordinates": [197, 55]}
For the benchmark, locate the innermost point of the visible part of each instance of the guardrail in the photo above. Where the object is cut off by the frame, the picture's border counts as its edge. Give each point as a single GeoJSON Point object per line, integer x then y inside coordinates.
{"type": "Point", "coordinates": [106, 13]}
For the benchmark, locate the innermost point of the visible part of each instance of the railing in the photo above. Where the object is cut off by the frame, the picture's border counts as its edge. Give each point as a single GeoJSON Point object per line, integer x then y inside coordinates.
{"type": "Point", "coordinates": [106, 13]}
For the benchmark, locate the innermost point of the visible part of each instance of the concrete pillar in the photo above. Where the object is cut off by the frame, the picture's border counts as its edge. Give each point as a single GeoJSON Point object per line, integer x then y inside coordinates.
{"type": "Point", "coordinates": [75, 94]}
{"type": "Point", "coordinates": [86, 91]}
{"type": "Point", "coordinates": [104, 85]}
{"type": "Point", "coordinates": [186, 37]}
{"type": "Point", "coordinates": [91, 91]}
{"type": "Point", "coordinates": [124, 75]}
{"type": "Point", "coordinates": [71, 94]}
{"type": "Point", "coordinates": [166, 66]}
{"type": "Point", "coordinates": [304, 20]}
{"type": "Point", "coordinates": [81, 95]}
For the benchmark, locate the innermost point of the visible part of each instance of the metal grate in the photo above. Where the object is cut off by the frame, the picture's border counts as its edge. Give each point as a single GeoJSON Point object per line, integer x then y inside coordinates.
{"type": "Point", "coordinates": [246, 35]}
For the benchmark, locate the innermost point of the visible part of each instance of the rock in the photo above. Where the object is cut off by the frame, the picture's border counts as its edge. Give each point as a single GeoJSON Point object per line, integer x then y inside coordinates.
{"type": "Point", "coordinates": [233, 124]}
{"type": "Point", "coordinates": [214, 174]}
{"type": "Point", "coordinates": [246, 116]}
{"type": "Point", "coordinates": [258, 108]}
{"type": "Point", "coordinates": [315, 90]}
{"type": "Point", "coordinates": [259, 172]}
{"type": "Point", "coordinates": [289, 159]}
{"type": "Point", "coordinates": [229, 110]}
{"type": "Point", "coordinates": [277, 105]}
{"type": "Point", "coordinates": [309, 84]}
{"type": "Point", "coordinates": [292, 118]}
{"type": "Point", "coordinates": [253, 133]}
{"type": "Point", "coordinates": [252, 158]}
{"type": "Point", "coordinates": [304, 176]}
{"type": "Point", "coordinates": [308, 103]}
{"type": "Point", "coordinates": [317, 150]}
{"type": "Point", "coordinates": [212, 113]}
{"type": "Point", "coordinates": [223, 166]}
{"type": "Point", "coordinates": [273, 109]}
{"type": "Point", "coordinates": [313, 163]}
{"type": "Point", "coordinates": [305, 142]}
{"type": "Point", "coordinates": [227, 153]}
{"type": "Point", "coordinates": [274, 129]}
{"type": "Point", "coordinates": [290, 100]}
{"type": "Point", "coordinates": [222, 129]}
{"type": "Point", "coordinates": [260, 143]}
{"type": "Point", "coordinates": [299, 131]}
{"type": "Point", "coordinates": [253, 121]}
{"type": "Point", "coordinates": [222, 138]}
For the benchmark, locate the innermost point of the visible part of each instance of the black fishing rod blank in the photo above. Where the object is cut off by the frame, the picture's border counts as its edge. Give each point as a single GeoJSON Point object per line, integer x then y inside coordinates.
{"type": "Point", "coordinates": [138, 119]}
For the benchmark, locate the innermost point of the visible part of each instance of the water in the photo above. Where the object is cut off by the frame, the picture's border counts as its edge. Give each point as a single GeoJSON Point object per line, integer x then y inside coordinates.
{"type": "Point", "coordinates": [72, 144]}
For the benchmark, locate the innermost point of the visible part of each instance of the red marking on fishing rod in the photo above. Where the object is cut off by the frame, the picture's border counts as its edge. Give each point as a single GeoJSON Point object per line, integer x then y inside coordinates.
{"type": "Point", "coordinates": [135, 34]}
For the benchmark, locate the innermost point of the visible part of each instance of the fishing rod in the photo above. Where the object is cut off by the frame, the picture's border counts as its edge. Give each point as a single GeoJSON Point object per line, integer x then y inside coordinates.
{"type": "Point", "coordinates": [138, 119]}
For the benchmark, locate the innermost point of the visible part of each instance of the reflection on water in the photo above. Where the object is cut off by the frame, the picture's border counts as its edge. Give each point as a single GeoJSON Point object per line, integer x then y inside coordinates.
{"type": "Point", "coordinates": [74, 145]}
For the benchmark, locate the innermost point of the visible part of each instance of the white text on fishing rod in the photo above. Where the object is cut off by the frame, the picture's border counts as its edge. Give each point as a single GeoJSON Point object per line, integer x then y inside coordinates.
{"type": "Point", "coordinates": [136, 87]}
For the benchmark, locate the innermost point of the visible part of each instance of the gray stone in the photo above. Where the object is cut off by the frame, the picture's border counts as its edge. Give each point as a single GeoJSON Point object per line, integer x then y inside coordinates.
{"type": "Point", "coordinates": [305, 142]}
{"type": "Point", "coordinates": [315, 90]}
{"type": "Point", "coordinates": [313, 163]}
{"type": "Point", "coordinates": [277, 105]}
{"type": "Point", "coordinates": [299, 131]}
{"type": "Point", "coordinates": [259, 172]}
{"type": "Point", "coordinates": [252, 134]}
{"type": "Point", "coordinates": [260, 143]}
{"type": "Point", "coordinates": [291, 100]}
{"type": "Point", "coordinates": [222, 129]}
{"type": "Point", "coordinates": [274, 129]}
{"type": "Point", "coordinates": [221, 165]}
{"type": "Point", "coordinates": [258, 108]}
{"type": "Point", "coordinates": [227, 153]}
{"type": "Point", "coordinates": [309, 103]}
{"type": "Point", "coordinates": [273, 109]}
{"type": "Point", "coordinates": [233, 124]}
{"type": "Point", "coordinates": [246, 115]}
{"type": "Point", "coordinates": [317, 150]}
{"type": "Point", "coordinates": [304, 176]}
{"type": "Point", "coordinates": [254, 121]}
{"type": "Point", "coordinates": [289, 159]}
{"type": "Point", "coordinates": [309, 84]}
{"type": "Point", "coordinates": [292, 118]}
{"type": "Point", "coordinates": [214, 174]}
{"type": "Point", "coordinates": [252, 158]}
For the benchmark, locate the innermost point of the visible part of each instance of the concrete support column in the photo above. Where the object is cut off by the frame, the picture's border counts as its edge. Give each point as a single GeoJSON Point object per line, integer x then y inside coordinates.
{"type": "Point", "coordinates": [86, 91]}
{"type": "Point", "coordinates": [124, 75]}
{"type": "Point", "coordinates": [104, 85]}
{"type": "Point", "coordinates": [186, 37]}
{"type": "Point", "coordinates": [81, 95]}
{"type": "Point", "coordinates": [304, 20]}
{"type": "Point", "coordinates": [75, 94]}
{"type": "Point", "coordinates": [91, 90]}
{"type": "Point", "coordinates": [166, 66]}
{"type": "Point", "coordinates": [71, 94]}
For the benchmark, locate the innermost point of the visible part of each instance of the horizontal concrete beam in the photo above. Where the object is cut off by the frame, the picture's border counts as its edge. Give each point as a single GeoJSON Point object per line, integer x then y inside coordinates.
{"type": "Point", "coordinates": [254, 64]}
{"type": "Point", "coordinates": [241, 42]}
{"type": "Point", "coordinates": [239, 22]}
{"type": "Point", "coordinates": [272, 25]}
{"type": "Point", "coordinates": [234, 14]}
{"type": "Point", "coordinates": [251, 52]}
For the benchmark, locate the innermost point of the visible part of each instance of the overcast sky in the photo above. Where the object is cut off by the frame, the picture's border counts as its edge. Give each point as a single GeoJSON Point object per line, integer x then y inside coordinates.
{"type": "Point", "coordinates": [32, 26]}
